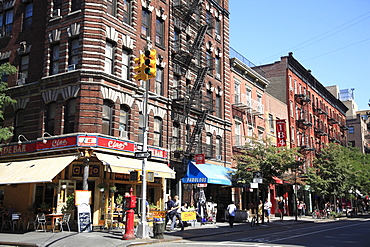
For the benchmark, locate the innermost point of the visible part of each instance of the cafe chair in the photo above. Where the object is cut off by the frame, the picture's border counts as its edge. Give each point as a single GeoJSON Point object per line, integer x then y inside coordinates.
{"type": "Point", "coordinates": [64, 221]}
{"type": "Point", "coordinates": [32, 222]}
{"type": "Point", "coordinates": [110, 222]}
{"type": "Point", "coordinates": [41, 221]}
{"type": "Point", "coordinates": [12, 222]}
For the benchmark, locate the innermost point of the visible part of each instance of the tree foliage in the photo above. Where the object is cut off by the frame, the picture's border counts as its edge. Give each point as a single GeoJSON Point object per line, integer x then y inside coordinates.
{"type": "Point", "coordinates": [264, 157]}
{"type": "Point", "coordinates": [5, 70]}
{"type": "Point", "coordinates": [338, 171]}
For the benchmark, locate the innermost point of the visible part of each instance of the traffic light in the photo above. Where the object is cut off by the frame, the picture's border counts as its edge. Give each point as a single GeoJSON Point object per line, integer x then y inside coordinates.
{"type": "Point", "coordinates": [139, 69]}
{"type": "Point", "coordinates": [150, 63]}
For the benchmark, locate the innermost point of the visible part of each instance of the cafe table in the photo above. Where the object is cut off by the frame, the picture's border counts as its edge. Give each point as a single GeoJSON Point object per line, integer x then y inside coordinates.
{"type": "Point", "coordinates": [52, 218]}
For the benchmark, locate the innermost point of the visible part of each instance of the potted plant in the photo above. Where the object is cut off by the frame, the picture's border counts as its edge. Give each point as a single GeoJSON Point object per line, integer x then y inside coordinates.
{"type": "Point", "coordinates": [119, 201]}
{"type": "Point", "coordinates": [70, 204]}
{"type": "Point", "coordinates": [102, 187]}
{"type": "Point", "coordinates": [45, 207]}
{"type": "Point", "coordinates": [113, 189]}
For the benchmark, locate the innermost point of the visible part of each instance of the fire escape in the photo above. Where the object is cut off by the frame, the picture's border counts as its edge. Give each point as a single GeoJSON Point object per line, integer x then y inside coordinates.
{"type": "Point", "coordinates": [189, 59]}
{"type": "Point", "coordinates": [304, 123]}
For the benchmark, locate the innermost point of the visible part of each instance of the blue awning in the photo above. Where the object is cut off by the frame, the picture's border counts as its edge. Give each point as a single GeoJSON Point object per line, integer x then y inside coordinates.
{"type": "Point", "coordinates": [207, 173]}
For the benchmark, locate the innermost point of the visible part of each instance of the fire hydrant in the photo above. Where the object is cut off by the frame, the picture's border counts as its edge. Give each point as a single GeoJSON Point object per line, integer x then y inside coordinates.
{"type": "Point", "coordinates": [129, 228]}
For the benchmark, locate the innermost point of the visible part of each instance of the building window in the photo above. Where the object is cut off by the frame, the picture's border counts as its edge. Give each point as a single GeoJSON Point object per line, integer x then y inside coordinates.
{"type": "Point", "coordinates": [141, 128]}
{"type": "Point", "coordinates": [57, 4]}
{"type": "Point", "coordinates": [109, 57]}
{"type": "Point", "coordinates": [145, 23]}
{"type": "Point", "coordinates": [50, 118]}
{"type": "Point", "coordinates": [218, 150]}
{"type": "Point", "coordinates": [210, 99]}
{"type": "Point", "coordinates": [157, 132]}
{"type": "Point", "coordinates": [125, 64]}
{"type": "Point", "coordinates": [209, 22]}
{"type": "Point", "coordinates": [292, 133]}
{"type": "Point", "coordinates": [112, 7]}
{"type": "Point", "coordinates": [176, 136]}
{"type": "Point", "coordinates": [237, 138]}
{"type": "Point", "coordinates": [74, 51]}
{"type": "Point", "coordinates": [237, 97]}
{"type": "Point", "coordinates": [76, 5]}
{"type": "Point", "coordinates": [123, 121]}
{"type": "Point", "coordinates": [107, 117]}
{"type": "Point", "coordinates": [23, 68]}
{"type": "Point", "coordinates": [217, 28]}
{"type": "Point", "coordinates": [209, 146]}
{"type": "Point", "coordinates": [159, 82]}
{"type": "Point", "coordinates": [6, 21]}
{"type": "Point", "coordinates": [209, 59]}
{"type": "Point", "coordinates": [126, 12]}
{"type": "Point", "coordinates": [176, 87]}
{"type": "Point", "coordinates": [351, 130]}
{"type": "Point", "coordinates": [27, 23]}
{"type": "Point", "coordinates": [176, 40]}
{"type": "Point", "coordinates": [218, 106]}
{"type": "Point", "coordinates": [55, 59]}
{"type": "Point", "coordinates": [271, 123]}
{"type": "Point", "coordinates": [218, 67]}
{"type": "Point", "coordinates": [69, 116]}
{"type": "Point", "coordinates": [18, 124]}
{"type": "Point", "coordinates": [159, 32]}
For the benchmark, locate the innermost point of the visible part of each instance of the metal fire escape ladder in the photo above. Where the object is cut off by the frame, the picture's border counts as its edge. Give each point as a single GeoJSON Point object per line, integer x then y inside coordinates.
{"type": "Point", "coordinates": [193, 142]}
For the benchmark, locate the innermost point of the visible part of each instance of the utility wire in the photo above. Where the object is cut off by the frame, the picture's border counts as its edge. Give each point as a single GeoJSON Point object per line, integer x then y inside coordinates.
{"type": "Point", "coordinates": [321, 35]}
{"type": "Point", "coordinates": [336, 49]}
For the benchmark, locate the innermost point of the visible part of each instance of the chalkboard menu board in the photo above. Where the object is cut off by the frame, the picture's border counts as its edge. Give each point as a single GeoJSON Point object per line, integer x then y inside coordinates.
{"type": "Point", "coordinates": [84, 218]}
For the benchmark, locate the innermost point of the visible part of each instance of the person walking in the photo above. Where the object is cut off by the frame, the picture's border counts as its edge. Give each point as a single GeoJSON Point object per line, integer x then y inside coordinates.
{"type": "Point", "coordinates": [281, 205]}
{"type": "Point", "coordinates": [176, 213]}
{"type": "Point", "coordinates": [169, 206]}
{"type": "Point", "coordinates": [267, 207]}
{"type": "Point", "coordinates": [231, 209]}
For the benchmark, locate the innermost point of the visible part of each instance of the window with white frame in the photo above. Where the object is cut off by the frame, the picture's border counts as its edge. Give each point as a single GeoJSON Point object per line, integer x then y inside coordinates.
{"type": "Point", "coordinates": [209, 146]}
{"type": "Point", "coordinates": [27, 23]}
{"type": "Point", "coordinates": [126, 9]}
{"type": "Point", "coordinates": [107, 117]}
{"type": "Point", "coordinates": [176, 136]}
{"type": "Point", "coordinates": [112, 7]}
{"type": "Point", "coordinates": [159, 32]}
{"type": "Point", "coordinates": [23, 68]}
{"type": "Point", "coordinates": [141, 127]}
{"type": "Point", "coordinates": [125, 64]}
{"type": "Point", "coordinates": [237, 131]}
{"type": "Point", "coordinates": [271, 122]}
{"type": "Point", "coordinates": [109, 57]}
{"type": "Point", "coordinates": [69, 116]}
{"type": "Point", "coordinates": [159, 82]}
{"type": "Point", "coordinates": [218, 150]}
{"type": "Point", "coordinates": [237, 96]}
{"type": "Point", "coordinates": [145, 23]}
{"type": "Point", "coordinates": [74, 52]}
{"type": "Point", "coordinates": [218, 108]}
{"type": "Point", "coordinates": [124, 120]}
{"type": "Point", "coordinates": [55, 50]}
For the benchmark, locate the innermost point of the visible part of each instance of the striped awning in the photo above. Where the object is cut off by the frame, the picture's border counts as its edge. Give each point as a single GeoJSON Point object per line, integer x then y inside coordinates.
{"type": "Point", "coordinates": [33, 171]}
{"type": "Point", "coordinates": [120, 164]}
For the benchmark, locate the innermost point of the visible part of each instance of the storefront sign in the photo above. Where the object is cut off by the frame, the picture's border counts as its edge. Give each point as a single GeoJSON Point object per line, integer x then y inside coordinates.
{"type": "Point", "coordinates": [19, 148]}
{"type": "Point", "coordinates": [158, 153]}
{"type": "Point", "coordinates": [159, 214]}
{"type": "Point", "coordinates": [281, 132]}
{"type": "Point", "coordinates": [87, 141]}
{"type": "Point", "coordinates": [202, 185]}
{"type": "Point", "coordinates": [84, 218]}
{"type": "Point", "coordinates": [116, 144]}
{"type": "Point", "coordinates": [82, 196]}
{"type": "Point", "coordinates": [200, 159]}
{"type": "Point", "coordinates": [77, 170]}
{"type": "Point", "coordinates": [187, 216]}
{"type": "Point", "coordinates": [195, 180]}
{"type": "Point", "coordinates": [56, 143]}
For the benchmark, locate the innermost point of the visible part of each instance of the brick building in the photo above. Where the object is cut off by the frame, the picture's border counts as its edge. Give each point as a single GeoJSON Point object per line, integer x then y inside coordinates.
{"type": "Point", "coordinates": [316, 117]}
{"type": "Point", "coordinates": [79, 112]}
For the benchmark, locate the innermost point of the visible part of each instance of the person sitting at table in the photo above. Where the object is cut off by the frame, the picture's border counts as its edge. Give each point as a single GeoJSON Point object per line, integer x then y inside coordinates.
{"type": "Point", "coordinates": [11, 210]}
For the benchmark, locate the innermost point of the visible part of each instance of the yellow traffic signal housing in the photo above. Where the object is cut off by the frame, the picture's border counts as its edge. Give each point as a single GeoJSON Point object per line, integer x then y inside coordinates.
{"type": "Point", "coordinates": [150, 63]}
{"type": "Point", "coordinates": [139, 69]}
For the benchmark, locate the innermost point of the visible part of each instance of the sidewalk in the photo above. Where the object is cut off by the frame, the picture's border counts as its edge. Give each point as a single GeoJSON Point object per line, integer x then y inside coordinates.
{"type": "Point", "coordinates": [114, 238]}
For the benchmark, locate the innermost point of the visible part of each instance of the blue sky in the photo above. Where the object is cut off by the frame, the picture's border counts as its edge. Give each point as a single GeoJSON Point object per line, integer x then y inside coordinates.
{"type": "Point", "coordinates": [329, 37]}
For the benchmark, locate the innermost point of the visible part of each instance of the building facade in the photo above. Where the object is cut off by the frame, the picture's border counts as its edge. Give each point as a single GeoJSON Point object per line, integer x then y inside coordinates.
{"type": "Point", "coordinates": [77, 98]}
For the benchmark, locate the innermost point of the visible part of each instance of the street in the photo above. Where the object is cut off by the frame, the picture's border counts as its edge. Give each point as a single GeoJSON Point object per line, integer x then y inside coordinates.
{"type": "Point", "coordinates": [351, 232]}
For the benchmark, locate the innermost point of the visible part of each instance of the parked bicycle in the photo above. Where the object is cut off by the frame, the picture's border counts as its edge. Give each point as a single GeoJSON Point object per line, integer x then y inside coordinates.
{"type": "Point", "coordinates": [319, 214]}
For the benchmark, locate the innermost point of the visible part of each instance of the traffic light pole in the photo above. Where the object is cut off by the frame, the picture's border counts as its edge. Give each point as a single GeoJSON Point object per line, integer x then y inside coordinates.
{"type": "Point", "coordinates": [143, 227]}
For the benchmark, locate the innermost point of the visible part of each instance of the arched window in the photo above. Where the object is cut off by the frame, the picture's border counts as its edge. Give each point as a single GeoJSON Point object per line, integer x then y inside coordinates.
{"type": "Point", "coordinates": [158, 132]}
{"type": "Point", "coordinates": [218, 151]}
{"type": "Point", "coordinates": [50, 118]}
{"type": "Point", "coordinates": [107, 117]}
{"type": "Point", "coordinates": [123, 121]}
{"type": "Point", "coordinates": [69, 116]}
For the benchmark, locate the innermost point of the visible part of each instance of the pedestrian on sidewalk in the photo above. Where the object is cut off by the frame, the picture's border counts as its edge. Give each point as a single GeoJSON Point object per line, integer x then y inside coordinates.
{"type": "Point", "coordinates": [231, 209]}
{"type": "Point", "coordinates": [267, 207]}
{"type": "Point", "coordinates": [281, 205]}
{"type": "Point", "coordinates": [169, 213]}
{"type": "Point", "coordinates": [176, 209]}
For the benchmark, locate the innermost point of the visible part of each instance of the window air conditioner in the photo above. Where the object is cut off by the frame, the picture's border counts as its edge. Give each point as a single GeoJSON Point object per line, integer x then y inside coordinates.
{"type": "Point", "coordinates": [123, 134]}
{"type": "Point", "coordinates": [218, 157]}
{"type": "Point", "coordinates": [56, 13]}
{"type": "Point", "coordinates": [71, 67]}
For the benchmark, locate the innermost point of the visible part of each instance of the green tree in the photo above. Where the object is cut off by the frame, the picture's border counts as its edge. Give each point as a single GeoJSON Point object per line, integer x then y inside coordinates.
{"type": "Point", "coordinates": [263, 156]}
{"type": "Point", "coordinates": [5, 70]}
{"type": "Point", "coordinates": [332, 172]}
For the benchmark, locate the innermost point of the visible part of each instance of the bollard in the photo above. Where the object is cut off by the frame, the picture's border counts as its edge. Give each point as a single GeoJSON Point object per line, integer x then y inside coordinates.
{"type": "Point", "coordinates": [130, 216]}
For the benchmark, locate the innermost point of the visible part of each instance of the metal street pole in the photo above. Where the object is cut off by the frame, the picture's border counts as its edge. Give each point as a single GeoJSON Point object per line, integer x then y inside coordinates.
{"type": "Point", "coordinates": [143, 227]}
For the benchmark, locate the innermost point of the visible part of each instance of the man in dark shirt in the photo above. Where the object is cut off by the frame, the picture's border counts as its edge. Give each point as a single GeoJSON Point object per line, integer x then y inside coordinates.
{"type": "Point", "coordinates": [169, 205]}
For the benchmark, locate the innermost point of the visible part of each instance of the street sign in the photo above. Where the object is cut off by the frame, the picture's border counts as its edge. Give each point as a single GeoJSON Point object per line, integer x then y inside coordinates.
{"type": "Point", "coordinates": [143, 155]}
{"type": "Point", "coordinates": [202, 185]}
{"type": "Point", "coordinates": [257, 180]}
{"type": "Point", "coordinates": [200, 158]}
{"type": "Point", "coordinates": [254, 185]}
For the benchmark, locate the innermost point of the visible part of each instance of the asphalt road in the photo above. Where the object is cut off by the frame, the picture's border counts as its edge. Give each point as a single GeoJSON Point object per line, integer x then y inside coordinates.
{"type": "Point", "coordinates": [344, 233]}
